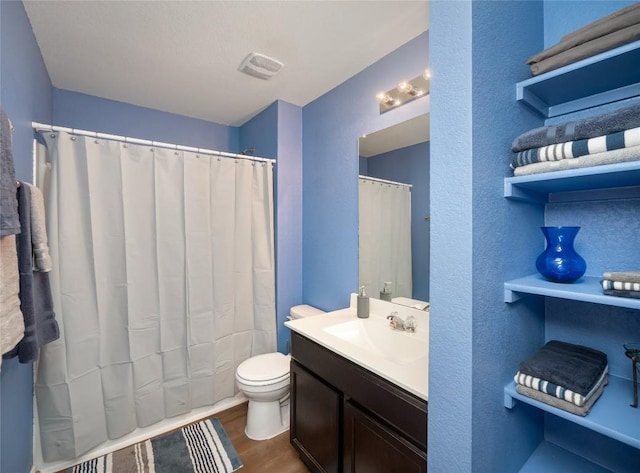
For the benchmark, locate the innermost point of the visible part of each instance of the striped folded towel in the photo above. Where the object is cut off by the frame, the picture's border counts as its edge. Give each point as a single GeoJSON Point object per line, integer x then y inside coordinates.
{"type": "Point", "coordinates": [559, 391]}
{"type": "Point", "coordinates": [607, 284]}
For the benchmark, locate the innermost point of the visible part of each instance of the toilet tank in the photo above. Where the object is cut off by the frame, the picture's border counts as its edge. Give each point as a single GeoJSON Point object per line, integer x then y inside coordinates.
{"type": "Point", "coordinates": [304, 310]}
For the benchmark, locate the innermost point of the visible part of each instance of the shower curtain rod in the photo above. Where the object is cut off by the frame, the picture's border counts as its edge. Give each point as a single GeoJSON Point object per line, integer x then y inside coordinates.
{"type": "Point", "coordinates": [384, 181]}
{"type": "Point", "coordinates": [106, 136]}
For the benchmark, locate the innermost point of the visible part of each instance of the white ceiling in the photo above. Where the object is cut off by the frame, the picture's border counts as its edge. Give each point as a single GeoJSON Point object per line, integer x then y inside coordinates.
{"type": "Point", "coordinates": [183, 56]}
{"type": "Point", "coordinates": [401, 135]}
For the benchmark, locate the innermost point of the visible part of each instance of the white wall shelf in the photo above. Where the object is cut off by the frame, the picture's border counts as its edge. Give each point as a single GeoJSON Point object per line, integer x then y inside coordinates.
{"type": "Point", "coordinates": [611, 415]}
{"type": "Point", "coordinates": [571, 88]}
{"type": "Point", "coordinates": [537, 187]}
{"type": "Point", "coordinates": [586, 289]}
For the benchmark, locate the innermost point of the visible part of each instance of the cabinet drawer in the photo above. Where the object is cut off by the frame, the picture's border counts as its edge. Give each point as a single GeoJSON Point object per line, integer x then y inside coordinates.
{"type": "Point", "coordinates": [401, 410]}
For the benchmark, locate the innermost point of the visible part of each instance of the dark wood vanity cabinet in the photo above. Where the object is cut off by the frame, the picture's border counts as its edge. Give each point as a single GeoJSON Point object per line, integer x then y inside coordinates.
{"type": "Point", "coordinates": [346, 419]}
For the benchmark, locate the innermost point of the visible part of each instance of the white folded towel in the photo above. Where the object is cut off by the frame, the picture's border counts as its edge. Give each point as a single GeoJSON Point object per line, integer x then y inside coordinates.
{"type": "Point", "coordinates": [40, 243]}
{"type": "Point", "coordinates": [11, 320]}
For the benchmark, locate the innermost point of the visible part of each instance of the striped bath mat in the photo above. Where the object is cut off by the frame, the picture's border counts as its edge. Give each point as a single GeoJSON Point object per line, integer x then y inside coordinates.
{"type": "Point", "coordinates": [202, 447]}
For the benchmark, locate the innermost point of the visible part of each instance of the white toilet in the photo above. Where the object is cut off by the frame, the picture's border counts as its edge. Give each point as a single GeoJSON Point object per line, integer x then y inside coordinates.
{"type": "Point", "coordinates": [264, 380]}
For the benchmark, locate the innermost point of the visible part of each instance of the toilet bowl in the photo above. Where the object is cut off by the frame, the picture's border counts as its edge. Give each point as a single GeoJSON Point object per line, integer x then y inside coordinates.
{"type": "Point", "coordinates": [264, 380]}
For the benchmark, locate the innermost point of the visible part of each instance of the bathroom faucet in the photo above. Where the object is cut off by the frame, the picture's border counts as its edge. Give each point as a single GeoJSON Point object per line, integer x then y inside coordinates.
{"type": "Point", "coordinates": [397, 323]}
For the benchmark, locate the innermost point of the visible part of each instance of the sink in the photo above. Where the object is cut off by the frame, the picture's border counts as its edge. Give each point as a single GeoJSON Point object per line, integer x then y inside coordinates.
{"type": "Point", "coordinates": [379, 339]}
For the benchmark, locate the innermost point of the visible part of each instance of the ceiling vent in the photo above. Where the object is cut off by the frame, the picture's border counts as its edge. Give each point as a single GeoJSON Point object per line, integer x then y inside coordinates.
{"type": "Point", "coordinates": [260, 66]}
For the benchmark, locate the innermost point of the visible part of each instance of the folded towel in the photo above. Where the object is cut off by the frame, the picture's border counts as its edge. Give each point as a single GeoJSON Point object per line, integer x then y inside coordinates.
{"type": "Point", "coordinates": [560, 403]}
{"type": "Point", "coordinates": [574, 367]}
{"type": "Point", "coordinates": [9, 222]}
{"type": "Point", "coordinates": [11, 321]}
{"type": "Point", "coordinates": [36, 303]}
{"type": "Point", "coordinates": [41, 257]}
{"type": "Point", "coordinates": [599, 159]}
{"type": "Point", "coordinates": [620, 285]}
{"type": "Point", "coordinates": [558, 391]}
{"type": "Point", "coordinates": [599, 125]}
{"type": "Point", "coordinates": [624, 276]}
{"type": "Point", "coordinates": [574, 149]}
{"type": "Point", "coordinates": [616, 21]}
{"type": "Point", "coordinates": [618, 293]}
{"type": "Point", "coordinates": [588, 49]}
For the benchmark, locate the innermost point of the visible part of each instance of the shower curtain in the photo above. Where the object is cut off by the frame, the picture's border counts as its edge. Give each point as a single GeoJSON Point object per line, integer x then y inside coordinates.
{"type": "Point", "coordinates": [384, 237]}
{"type": "Point", "coordinates": [163, 284]}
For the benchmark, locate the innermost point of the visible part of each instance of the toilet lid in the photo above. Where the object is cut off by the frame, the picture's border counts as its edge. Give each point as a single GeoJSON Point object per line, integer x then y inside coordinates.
{"type": "Point", "coordinates": [264, 367]}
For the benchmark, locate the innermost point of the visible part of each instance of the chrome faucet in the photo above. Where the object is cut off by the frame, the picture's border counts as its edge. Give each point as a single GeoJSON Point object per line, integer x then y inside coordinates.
{"type": "Point", "coordinates": [397, 323]}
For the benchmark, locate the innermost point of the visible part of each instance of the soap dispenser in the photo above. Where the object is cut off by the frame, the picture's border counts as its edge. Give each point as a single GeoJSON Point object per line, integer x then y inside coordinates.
{"type": "Point", "coordinates": [385, 294]}
{"type": "Point", "coordinates": [363, 304]}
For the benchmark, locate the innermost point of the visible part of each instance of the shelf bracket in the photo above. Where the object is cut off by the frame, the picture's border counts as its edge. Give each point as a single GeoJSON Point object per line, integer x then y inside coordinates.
{"type": "Point", "coordinates": [511, 296]}
{"type": "Point", "coordinates": [516, 192]}
{"type": "Point", "coordinates": [509, 401]}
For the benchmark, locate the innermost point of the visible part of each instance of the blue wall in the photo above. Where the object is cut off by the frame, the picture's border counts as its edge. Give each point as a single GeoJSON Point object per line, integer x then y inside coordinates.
{"type": "Point", "coordinates": [332, 125]}
{"type": "Point", "coordinates": [86, 112]}
{"type": "Point", "coordinates": [25, 95]}
{"type": "Point", "coordinates": [410, 165]}
{"type": "Point", "coordinates": [277, 133]}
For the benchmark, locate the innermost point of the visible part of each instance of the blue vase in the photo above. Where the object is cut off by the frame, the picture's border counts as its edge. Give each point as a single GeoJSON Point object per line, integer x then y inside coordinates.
{"type": "Point", "coordinates": [559, 262]}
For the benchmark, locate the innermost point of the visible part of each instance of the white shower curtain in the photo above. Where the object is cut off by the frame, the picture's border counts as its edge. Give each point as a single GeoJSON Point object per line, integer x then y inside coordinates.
{"type": "Point", "coordinates": [163, 283]}
{"type": "Point", "coordinates": [384, 234]}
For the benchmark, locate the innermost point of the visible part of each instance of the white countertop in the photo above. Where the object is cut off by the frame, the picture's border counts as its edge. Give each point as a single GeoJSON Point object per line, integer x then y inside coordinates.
{"type": "Point", "coordinates": [409, 370]}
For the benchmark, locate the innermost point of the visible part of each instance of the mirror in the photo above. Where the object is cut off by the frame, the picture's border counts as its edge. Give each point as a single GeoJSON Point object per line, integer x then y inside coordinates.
{"type": "Point", "coordinates": [393, 210]}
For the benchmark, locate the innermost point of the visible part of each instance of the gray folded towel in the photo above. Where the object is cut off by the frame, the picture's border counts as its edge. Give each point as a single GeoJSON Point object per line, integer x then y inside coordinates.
{"type": "Point", "coordinates": [9, 222]}
{"type": "Point", "coordinates": [573, 367]}
{"type": "Point", "coordinates": [616, 21]}
{"type": "Point", "coordinates": [588, 49]}
{"type": "Point", "coordinates": [624, 276]}
{"type": "Point", "coordinates": [599, 125]}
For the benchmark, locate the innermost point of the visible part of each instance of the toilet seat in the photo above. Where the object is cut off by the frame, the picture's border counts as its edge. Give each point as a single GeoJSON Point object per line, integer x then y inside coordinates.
{"type": "Point", "coordinates": [261, 370]}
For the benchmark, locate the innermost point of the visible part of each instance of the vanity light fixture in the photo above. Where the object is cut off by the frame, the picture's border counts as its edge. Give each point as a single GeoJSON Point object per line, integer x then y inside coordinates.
{"type": "Point", "coordinates": [405, 92]}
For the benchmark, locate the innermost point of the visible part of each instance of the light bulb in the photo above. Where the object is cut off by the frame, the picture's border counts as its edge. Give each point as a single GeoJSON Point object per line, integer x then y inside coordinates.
{"type": "Point", "coordinates": [426, 75]}
{"type": "Point", "coordinates": [405, 87]}
{"type": "Point", "coordinates": [385, 99]}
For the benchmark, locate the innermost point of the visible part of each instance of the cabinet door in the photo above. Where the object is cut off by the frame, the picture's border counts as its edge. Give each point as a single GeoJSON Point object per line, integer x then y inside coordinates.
{"type": "Point", "coordinates": [315, 421]}
{"type": "Point", "coordinates": [371, 447]}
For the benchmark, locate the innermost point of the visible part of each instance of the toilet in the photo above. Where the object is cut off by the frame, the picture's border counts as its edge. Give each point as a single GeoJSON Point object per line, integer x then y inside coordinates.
{"type": "Point", "coordinates": [264, 380]}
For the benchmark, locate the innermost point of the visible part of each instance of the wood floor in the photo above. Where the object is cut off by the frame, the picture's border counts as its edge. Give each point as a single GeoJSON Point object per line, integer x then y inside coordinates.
{"type": "Point", "coordinates": [275, 455]}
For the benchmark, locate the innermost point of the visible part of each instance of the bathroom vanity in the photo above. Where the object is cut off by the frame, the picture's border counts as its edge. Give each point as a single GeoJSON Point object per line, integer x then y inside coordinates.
{"type": "Point", "coordinates": [359, 393]}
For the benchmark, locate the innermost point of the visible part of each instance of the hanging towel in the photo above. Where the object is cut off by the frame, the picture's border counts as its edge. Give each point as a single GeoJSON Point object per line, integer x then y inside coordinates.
{"type": "Point", "coordinates": [11, 321]}
{"type": "Point", "coordinates": [9, 223]}
{"type": "Point", "coordinates": [40, 326]}
{"type": "Point", "coordinates": [41, 257]}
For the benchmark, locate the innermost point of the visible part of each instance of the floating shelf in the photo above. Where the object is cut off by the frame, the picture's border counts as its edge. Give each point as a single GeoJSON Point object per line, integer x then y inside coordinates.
{"type": "Point", "coordinates": [611, 415]}
{"type": "Point", "coordinates": [601, 79]}
{"type": "Point", "coordinates": [549, 458]}
{"type": "Point", "coordinates": [537, 187]}
{"type": "Point", "coordinates": [586, 289]}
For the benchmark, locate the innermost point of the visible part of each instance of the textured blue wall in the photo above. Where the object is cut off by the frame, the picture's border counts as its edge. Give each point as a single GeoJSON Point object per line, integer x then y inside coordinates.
{"type": "Point", "coordinates": [261, 133]}
{"type": "Point", "coordinates": [288, 217]}
{"type": "Point", "coordinates": [25, 95]}
{"type": "Point", "coordinates": [332, 125]}
{"type": "Point", "coordinates": [411, 166]}
{"type": "Point", "coordinates": [86, 112]}
{"type": "Point", "coordinates": [277, 133]}
{"type": "Point", "coordinates": [478, 239]}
